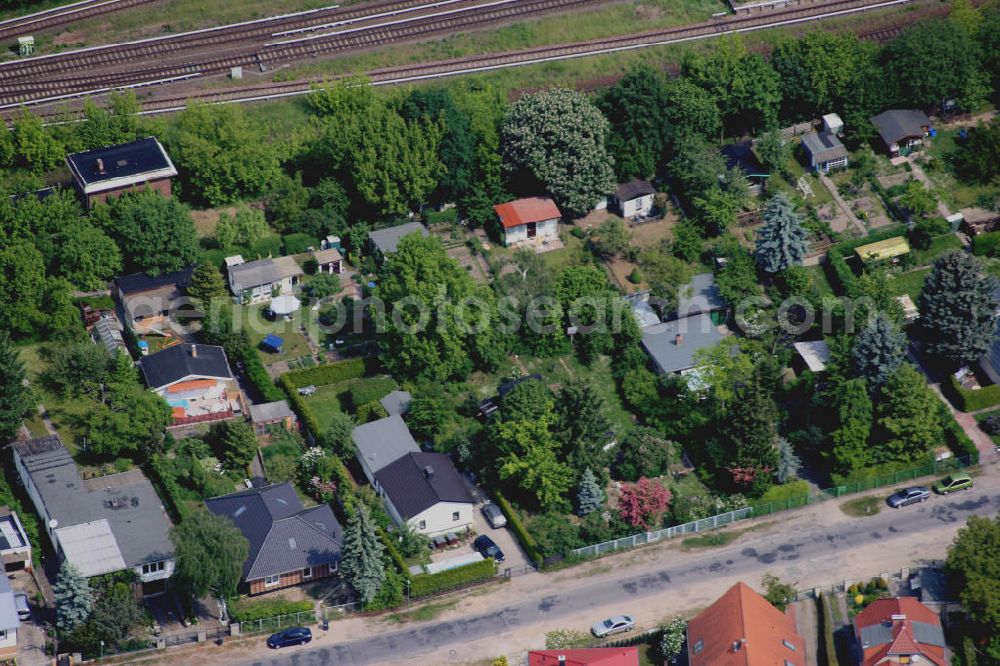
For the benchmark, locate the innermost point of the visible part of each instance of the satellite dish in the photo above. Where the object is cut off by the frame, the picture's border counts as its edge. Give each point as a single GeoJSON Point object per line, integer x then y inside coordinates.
{"type": "Point", "coordinates": [53, 523]}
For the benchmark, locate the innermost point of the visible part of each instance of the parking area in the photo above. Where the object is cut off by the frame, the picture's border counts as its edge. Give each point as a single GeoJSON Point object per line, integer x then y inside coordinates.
{"type": "Point", "coordinates": [30, 635]}
{"type": "Point", "coordinates": [515, 559]}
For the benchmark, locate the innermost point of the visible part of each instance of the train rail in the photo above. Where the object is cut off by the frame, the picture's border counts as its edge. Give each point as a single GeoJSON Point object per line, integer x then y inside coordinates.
{"type": "Point", "coordinates": [58, 16]}
{"type": "Point", "coordinates": [333, 43]}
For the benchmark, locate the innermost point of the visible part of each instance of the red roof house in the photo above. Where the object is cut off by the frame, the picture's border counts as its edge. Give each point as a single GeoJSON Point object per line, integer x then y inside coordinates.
{"type": "Point", "coordinates": [899, 631]}
{"type": "Point", "coordinates": [742, 629]}
{"type": "Point", "coordinates": [626, 656]}
{"type": "Point", "coordinates": [526, 219]}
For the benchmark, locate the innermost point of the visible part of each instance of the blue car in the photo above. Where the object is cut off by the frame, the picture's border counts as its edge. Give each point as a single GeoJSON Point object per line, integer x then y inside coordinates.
{"type": "Point", "coordinates": [290, 636]}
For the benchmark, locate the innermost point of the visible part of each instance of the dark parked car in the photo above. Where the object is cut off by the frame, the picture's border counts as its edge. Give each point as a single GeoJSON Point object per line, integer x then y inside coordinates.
{"type": "Point", "coordinates": [910, 495]}
{"type": "Point", "coordinates": [487, 548]}
{"type": "Point", "coordinates": [290, 636]}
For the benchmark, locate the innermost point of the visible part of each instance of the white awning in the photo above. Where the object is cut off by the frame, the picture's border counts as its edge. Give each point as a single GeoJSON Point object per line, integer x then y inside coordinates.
{"type": "Point", "coordinates": [284, 305]}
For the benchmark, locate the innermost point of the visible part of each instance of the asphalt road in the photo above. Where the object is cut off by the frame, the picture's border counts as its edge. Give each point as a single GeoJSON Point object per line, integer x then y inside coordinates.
{"type": "Point", "coordinates": [811, 550]}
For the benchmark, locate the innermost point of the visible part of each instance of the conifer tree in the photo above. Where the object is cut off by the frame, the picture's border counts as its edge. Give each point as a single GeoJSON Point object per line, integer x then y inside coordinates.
{"type": "Point", "coordinates": [207, 284]}
{"type": "Point", "coordinates": [362, 565]}
{"type": "Point", "coordinates": [878, 351]}
{"type": "Point", "coordinates": [781, 241]}
{"type": "Point", "coordinates": [956, 308]}
{"type": "Point", "coordinates": [788, 462]}
{"type": "Point", "coordinates": [589, 496]}
{"type": "Point", "coordinates": [73, 596]}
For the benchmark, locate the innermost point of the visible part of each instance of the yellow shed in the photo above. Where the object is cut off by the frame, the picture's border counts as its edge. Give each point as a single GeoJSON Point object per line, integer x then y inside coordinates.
{"type": "Point", "coordinates": [884, 249]}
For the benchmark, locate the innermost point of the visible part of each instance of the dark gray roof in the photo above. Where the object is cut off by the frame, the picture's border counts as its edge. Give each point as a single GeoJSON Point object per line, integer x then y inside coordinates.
{"type": "Point", "coordinates": [381, 442]}
{"type": "Point", "coordinates": [699, 295]}
{"type": "Point", "coordinates": [413, 488]}
{"type": "Point", "coordinates": [139, 524]}
{"type": "Point", "coordinates": [270, 411]}
{"type": "Point", "coordinates": [659, 341]}
{"type": "Point", "coordinates": [283, 535]}
{"type": "Point", "coordinates": [823, 146]}
{"type": "Point", "coordinates": [397, 402]}
{"type": "Point", "coordinates": [881, 633]}
{"type": "Point", "coordinates": [140, 282]}
{"type": "Point", "coordinates": [634, 189]}
{"type": "Point", "coordinates": [177, 362]}
{"type": "Point", "coordinates": [123, 163]}
{"type": "Point", "coordinates": [254, 274]}
{"type": "Point", "coordinates": [898, 124]}
{"type": "Point", "coordinates": [387, 240]}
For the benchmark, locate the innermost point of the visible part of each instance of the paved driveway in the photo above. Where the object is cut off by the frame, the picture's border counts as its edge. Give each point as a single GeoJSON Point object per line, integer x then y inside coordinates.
{"type": "Point", "coordinates": [515, 558]}
{"type": "Point", "coordinates": [30, 635]}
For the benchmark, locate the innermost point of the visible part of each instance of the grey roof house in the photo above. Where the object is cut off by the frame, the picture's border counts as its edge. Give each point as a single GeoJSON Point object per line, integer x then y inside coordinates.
{"type": "Point", "coordinates": [825, 151]}
{"type": "Point", "coordinates": [672, 345]}
{"type": "Point", "coordinates": [101, 525]}
{"type": "Point", "coordinates": [9, 621]}
{"type": "Point", "coordinates": [425, 491]}
{"type": "Point", "coordinates": [289, 544]}
{"type": "Point", "coordinates": [700, 295]}
{"type": "Point", "coordinates": [382, 442]}
{"type": "Point", "coordinates": [386, 241]}
{"type": "Point", "coordinates": [148, 301]}
{"type": "Point", "coordinates": [397, 402]}
{"type": "Point", "coordinates": [902, 130]}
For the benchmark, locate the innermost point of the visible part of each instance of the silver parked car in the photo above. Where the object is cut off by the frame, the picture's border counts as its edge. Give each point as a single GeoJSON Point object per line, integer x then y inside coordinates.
{"type": "Point", "coordinates": [613, 625]}
{"type": "Point", "coordinates": [910, 495]}
{"type": "Point", "coordinates": [21, 603]}
{"type": "Point", "coordinates": [494, 515]}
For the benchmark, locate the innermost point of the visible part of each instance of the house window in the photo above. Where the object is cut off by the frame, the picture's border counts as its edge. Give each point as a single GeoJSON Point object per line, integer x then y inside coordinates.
{"type": "Point", "coordinates": [153, 567]}
{"type": "Point", "coordinates": [788, 644]}
{"type": "Point", "coordinates": [699, 646]}
{"type": "Point", "coordinates": [3, 635]}
{"type": "Point", "coordinates": [454, 515]}
{"type": "Point", "coordinates": [307, 572]}
{"type": "Point", "coordinates": [788, 663]}
{"type": "Point", "coordinates": [270, 581]}
{"type": "Point", "coordinates": [422, 525]}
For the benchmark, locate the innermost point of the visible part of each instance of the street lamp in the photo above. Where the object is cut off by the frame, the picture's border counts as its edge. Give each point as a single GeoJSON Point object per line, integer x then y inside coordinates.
{"type": "Point", "coordinates": [407, 581]}
{"type": "Point", "coordinates": [102, 650]}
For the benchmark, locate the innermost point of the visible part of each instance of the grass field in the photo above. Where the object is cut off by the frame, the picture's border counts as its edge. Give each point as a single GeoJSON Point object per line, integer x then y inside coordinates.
{"type": "Point", "coordinates": [955, 193]}
{"type": "Point", "coordinates": [335, 398]}
{"type": "Point", "coordinates": [256, 327]}
{"type": "Point", "coordinates": [939, 246]}
{"type": "Point", "coordinates": [910, 283]}
{"type": "Point", "coordinates": [860, 507]}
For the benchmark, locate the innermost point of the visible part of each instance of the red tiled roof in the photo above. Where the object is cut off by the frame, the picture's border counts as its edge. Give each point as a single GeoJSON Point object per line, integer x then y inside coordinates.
{"type": "Point", "coordinates": [902, 637]}
{"type": "Point", "coordinates": [525, 211]}
{"type": "Point", "coordinates": [743, 617]}
{"type": "Point", "coordinates": [628, 656]}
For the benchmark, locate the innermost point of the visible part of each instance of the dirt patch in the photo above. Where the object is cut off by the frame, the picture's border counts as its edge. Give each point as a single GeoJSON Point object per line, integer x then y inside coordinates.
{"type": "Point", "coordinates": [206, 220]}
{"type": "Point", "coordinates": [70, 38]}
{"type": "Point", "coordinates": [651, 233]}
{"type": "Point", "coordinates": [470, 263]}
{"type": "Point", "coordinates": [620, 270]}
{"type": "Point", "coordinates": [591, 220]}
{"type": "Point", "coordinates": [832, 214]}
{"type": "Point", "coordinates": [648, 13]}
{"type": "Point", "coordinates": [893, 179]}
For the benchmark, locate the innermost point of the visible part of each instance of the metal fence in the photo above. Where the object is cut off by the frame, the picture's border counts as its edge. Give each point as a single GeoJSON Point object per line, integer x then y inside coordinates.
{"type": "Point", "coordinates": [277, 622]}
{"type": "Point", "coordinates": [767, 508]}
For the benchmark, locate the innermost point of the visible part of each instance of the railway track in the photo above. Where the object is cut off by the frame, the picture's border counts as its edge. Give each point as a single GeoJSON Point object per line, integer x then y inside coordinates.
{"type": "Point", "coordinates": [57, 16]}
{"type": "Point", "coordinates": [802, 12]}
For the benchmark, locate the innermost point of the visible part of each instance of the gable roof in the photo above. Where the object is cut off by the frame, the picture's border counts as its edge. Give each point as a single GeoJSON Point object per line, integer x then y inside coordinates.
{"type": "Point", "coordinates": [140, 282]}
{"type": "Point", "coordinates": [121, 165]}
{"type": "Point", "coordinates": [743, 617]}
{"type": "Point", "coordinates": [623, 656]}
{"type": "Point", "coordinates": [895, 125]}
{"type": "Point", "coordinates": [525, 211]}
{"type": "Point", "coordinates": [327, 256]}
{"type": "Point", "coordinates": [184, 360]}
{"type": "Point", "coordinates": [418, 481]}
{"type": "Point", "coordinates": [252, 274]}
{"type": "Point", "coordinates": [387, 240]}
{"type": "Point", "coordinates": [283, 535]}
{"type": "Point", "coordinates": [823, 146]}
{"type": "Point", "coordinates": [382, 442]}
{"type": "Point", "coordinates": [270, 411]}
{"type": "Point", "coordinates": [111, 521]}
{"type": "Point", "coordinates": [660, 341]}
{"type": "Point", "coordinates": [634, 189]}
{"type": "Point", "coordinates": [899, 627]}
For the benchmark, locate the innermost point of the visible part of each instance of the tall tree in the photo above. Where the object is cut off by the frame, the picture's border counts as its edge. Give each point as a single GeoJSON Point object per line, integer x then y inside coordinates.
{"type": "Point", "coordinates": [788, 462]}
{"type": "Point", "coordinates": [244, 228]}
{"type": "Point", "coordinates": [975, 571]}
{"type": "Point", "coordinates": [337, 437]}
{"type": "Point", "coordinates": [77, 368]}
{"type": "Point", "coordinates": [210, 553]}
{"type": "Point", "coordinates": [636, 107]}
{"type": "Point", "coordinates": [853, 408]}
{"type": "Point", "coordinates": [234, 443]}
{"type": "Point", "coordinates": [88, 257]}
{"type": "Point", "coordinates": [643, 452]}
{"type": "Point", "coordinates": [819, 71]}
{"type": "Point", "coordinates": [207, 285]}
{"type": "Point", "coordinates": [878, 351]}
{"type": "Point", "coordinates": [116, 614]}
{"type": "Point", "coordinates": [531, 461]}
{"type": "Point", "coordinates": [691, 110]}
{"type": "Point", "coordinates": [22, 287]}
{"type": "Point", "coordinates": [781, 241]}
{"type": "Point", "coordinates": [131, 420]}
{"type": "Point", "coordinates": [15, 399]}
{"type": "Point", "coordinates": [34, 146]}
{"type": "Point", "coordinates": [156, 234]}
{"type": "Point", "coordinates": [361, 563]}
{"type": "Point", "coordinates": [581, 426]}
{"type": "Point", "coordinates": [956, 308]}
{"type": "Point", "coordinates": [589, 496]}
{"type": "Point", "coordinates": [908, 417]}
{"type": "Point", "coordinates": [73, 597]}
{"type": "Point", "coordinates": [556, 140]}
{"type": "Point", "coordinates": [748, 428]}
{"type": "Point", "coordinates": [457, 148]}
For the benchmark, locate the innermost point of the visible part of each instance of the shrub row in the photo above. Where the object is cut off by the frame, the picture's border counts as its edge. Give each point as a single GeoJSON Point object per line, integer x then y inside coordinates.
{"type": "Point", "coordinates": [257, 373]}
{"type": "Point", "coordinates": [836, 258]}
{"type": "Point", "coordinates": [986, 244]}
{"type": "Point", "coordinates": [424, 584]}
{"type": "Point", "coordinates": [971, 401]}
{"type": "Point", "coordinates": [307, 416]}
{"type": "Point", "coordinates": [167, 485]}
{"type": "Point", "coordinates": [332, 373]}
{"type": "Point", "coordinates": [394, 554]}
{"type": "Point", "coordinates": [890, 205]}
{"type": "Point", "coordinates": [956, 439]}
{"type": "Point", "coordinates": [245, 610]}
{"type": "Point", "coordinates": [527, 541]}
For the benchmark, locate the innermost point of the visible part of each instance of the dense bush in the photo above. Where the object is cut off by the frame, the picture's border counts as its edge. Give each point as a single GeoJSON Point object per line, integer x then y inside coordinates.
{"type": "Point", "coordinates": [370, 411]}
{"type": "Point", "coordinates": [424, 584]}
{"type": "Point", "coordinates": [369, 390]}
{"type": "Point", "coordinates": [393, 551]}
{"type": "Point", "coordinates": [514, 521]}
{"type": "Point", "coordinates": [577, 232]}
{"type": "Point", "coordinates": [299, 243]}
{"type": "Point", "coordinates": [449, 216]}
{"type": "Point", "coordinates": [924, 231]}
{"type": "Point", "coordinates": [247, 610]}
{"type": "Point", "coordinates": [956, 439]}
{"type": "Point", "coordinates": [332, 373]}
{"type": "Point", "coordinates": [991, 425]}
{"type": "Point", "coordinates": [970, 401]}
{"type": "Point", "coordinates": [986, 244]}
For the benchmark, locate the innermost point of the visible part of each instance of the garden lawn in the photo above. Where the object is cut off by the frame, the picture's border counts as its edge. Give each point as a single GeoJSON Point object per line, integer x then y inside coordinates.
{"type": "Point", "coordinates": [332, 399]}
{"type": "Point", "coordinates": [939, 246]}
{"type": "Point", "coordinates": [954, 192]}
{"type": "Point", "coordinates": [910, 283]}
{"type": "Point", "coordinates": [256, 327]}
{"type": "Point", "coordinates": [820, 281]}
{"type": "Point", "coordinates": [66, 413]}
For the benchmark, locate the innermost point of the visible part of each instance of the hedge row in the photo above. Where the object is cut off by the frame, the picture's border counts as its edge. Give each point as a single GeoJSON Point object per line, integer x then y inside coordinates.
{"type": "Point", "coordinates": [245, 610]}
{"type": "Point", "coordinates": [257, 374]}
{"type": "Point", "coordinates": [394, 554]}
{"type": "Point", "coordinates": [837, 262]}
{"type": "Point", "coordinates": [971, 401]}
{"type": "Point", "coordinates": [169, 490]}
{"type": "Point", "coordinates": [955, 437]}
{"type": "Point", "coordinates": [306, 415]}
{"type": "Point", "coordinates": [986, 244]}
{"type": "Point", "coordinates": [424, 584]}
{"type": "Point", "coordinates": [528, 542]}
{"type": "Point", "coordinates": [332, 373]}
{"type": "Point", "coordinates": [890, 205]}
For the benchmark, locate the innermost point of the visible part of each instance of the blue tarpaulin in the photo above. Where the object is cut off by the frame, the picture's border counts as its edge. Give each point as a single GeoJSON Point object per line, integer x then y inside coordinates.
{"type": "Point", "coordinates": [272, 342]}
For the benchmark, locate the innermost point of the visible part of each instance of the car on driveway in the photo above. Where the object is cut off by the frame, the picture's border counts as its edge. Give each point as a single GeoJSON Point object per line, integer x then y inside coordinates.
{"type": "Point", "coordinates": [290, 636]}
{"type": "Point", "coordinates": [487, 548]}
{"type": "Point", "coordinates": [952, 483]}
{"type": "Point", "coordinates": [910, 495]}
{"type": "Point", "coordinates": [494, 515]}
{"type": "Point", "coordinates": [21, 603]}
{"type": "Point", "coordinates": [613, 625]}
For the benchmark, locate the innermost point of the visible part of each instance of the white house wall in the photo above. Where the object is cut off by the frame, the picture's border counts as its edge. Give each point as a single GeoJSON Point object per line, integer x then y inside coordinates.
{"type": "Point", "coordinates": [519, 234]}
{"type": "Point", "coordinates": [438, 518]}
{"type": "Point", "coordinates": [640, 206]}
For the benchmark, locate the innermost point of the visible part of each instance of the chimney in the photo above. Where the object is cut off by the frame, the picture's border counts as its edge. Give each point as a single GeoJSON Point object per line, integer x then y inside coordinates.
{"type": "Point", "coordinates": [678, 339]}
{"type": "Point", "coordinates": [428, 472]}
{"type": "Point", "coordinates": [100, 165]}
{"type": "Point", "coordinates": [194, 351]}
